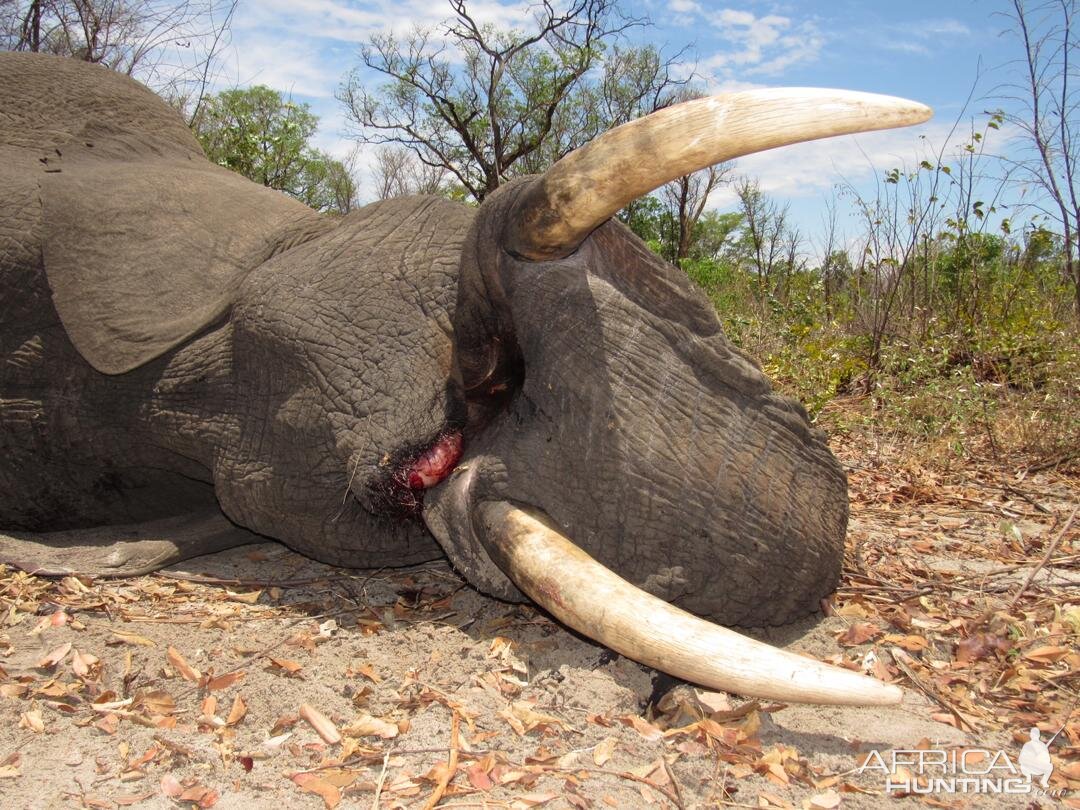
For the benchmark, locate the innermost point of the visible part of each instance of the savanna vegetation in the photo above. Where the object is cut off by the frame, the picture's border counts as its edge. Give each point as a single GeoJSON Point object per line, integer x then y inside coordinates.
{"type": "Point", "coordinates": [938, 323]}
{"type": "Point", "coordinates": [942, 309]}
{"type": "Point", "coordinates": [260, 134]}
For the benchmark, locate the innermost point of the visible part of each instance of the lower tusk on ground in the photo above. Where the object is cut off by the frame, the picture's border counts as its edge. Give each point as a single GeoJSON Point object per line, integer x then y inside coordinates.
{"type": "Point", "coordinates": [583, 594]}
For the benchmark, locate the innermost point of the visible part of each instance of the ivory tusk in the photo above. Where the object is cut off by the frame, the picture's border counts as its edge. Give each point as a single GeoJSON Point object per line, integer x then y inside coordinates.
{"type": "Point", "coordinates": [585, 595]}
{"type": "Point", "coordinates": [588, 186]}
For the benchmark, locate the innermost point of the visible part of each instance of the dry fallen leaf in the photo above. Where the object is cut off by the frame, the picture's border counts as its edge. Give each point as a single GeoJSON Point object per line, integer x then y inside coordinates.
{"type": "Point", "coordinates": [32, 720]}
{"type": "Point", "coordinates": [523, 718]}
{"type": "Point", "coordinates": [274, 743]}
{"type": "Point", "coordinates": [156, 701]}
{"type": "Point", "coordinates": [170, 786]}
{"type": "Point", "coordinates": [643, 727]}
{"type": "Point", "coordinates": [322, 724]}
{"type": "Point", "coordinates": [288, 666]}
{"type": "Point", "coordinates": [824, 801]}
{"type": "Point", "coordinates": [478, 773]}
{"type": "Point", "coordinates": [203, 796]}
{"type": "Point", "coordinates": [126, 637]}
{"type": "Point", "coordinates": [82, 664]}
{"type": "Point", "coordinates": [54, 657]}
{"type": "Point", "coordinates": [603, 751]}
{"type": "Point", "coordinates": [368, 671]}
{"type": "Point", "coordinates": [176, 660]}
{"type": "Point", "coordinates": [1047, 654]}
{"type": "Point", "coordinates": [237, 712]}
{"type": "Point", "coordinates": [911, 643]}
{"type": "Point", "coordinates": [364, 725]}
{"type": "Point", "coordinates": [224, 681]}
{"type": "Point", "coordinates": [980, 645]}
{"type": "Point", "coordinates": [527, 800]}
{"type": "Point", "coordinates": [311, 783]}
{"type": "Point", "coordinates": [249, 598]}
{"type": "Point", "coordinates": [859, 633]}
{"type": "Point", "coordinates": [714, 701]}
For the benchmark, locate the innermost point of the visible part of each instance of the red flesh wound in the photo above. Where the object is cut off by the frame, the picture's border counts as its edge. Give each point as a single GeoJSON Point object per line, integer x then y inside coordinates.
{"type": "Point", "coordinates": [435, 463]}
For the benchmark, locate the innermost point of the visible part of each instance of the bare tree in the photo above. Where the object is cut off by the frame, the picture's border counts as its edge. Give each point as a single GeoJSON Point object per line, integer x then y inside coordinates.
{"type": "Point", "coordinates": [685, 198]}
{"type": "Point", "coordinates": [170, 45]}
{"type": "Point", "coordinates": [834, 259]}
{"type": "Point", "coordinates": [769, 240]}
{"type": "Point", "coordinates": [486, 104]}
{"type": "Point", "coordinates": [1048, 111]}
{"type": "Point", "coordinates": [397, 172]}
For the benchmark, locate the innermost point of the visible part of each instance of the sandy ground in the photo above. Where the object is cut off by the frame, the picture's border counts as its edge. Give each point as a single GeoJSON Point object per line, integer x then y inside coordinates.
{"type": "Point", "coordinates": [187, 688]}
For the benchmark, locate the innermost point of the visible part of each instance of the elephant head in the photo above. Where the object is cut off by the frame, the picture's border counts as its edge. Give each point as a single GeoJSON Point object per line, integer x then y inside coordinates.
{"type": "Point", "coordinates": [613, 428]}
{"type": "Point", "coordinates": [527, 385]}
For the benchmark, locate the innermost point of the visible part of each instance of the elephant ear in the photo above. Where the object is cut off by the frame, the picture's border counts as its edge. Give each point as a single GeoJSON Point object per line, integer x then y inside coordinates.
{"type": "Point", "coordinates": [145, 242]}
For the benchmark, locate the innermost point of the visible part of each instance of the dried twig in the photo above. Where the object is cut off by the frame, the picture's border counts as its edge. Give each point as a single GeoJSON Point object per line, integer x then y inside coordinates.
{"type": "Point", "coordinates": [901, 657]}
{"type": "Point", "coordinates": [1042, 563]}
{"type": "Point", "coordinates": [674, 781]}
{"type": "Point", "coordinates": [204, 579]}
{"type": "Point", "coordinates": [381, 782]}
{"type": "Point", "coordinates": [451, 765]}
{"type": "Point", "coordinates": [1026, 497]}
{"type": "Point", "coordinates": [1046, 465]}
{"type": "Point", "coordinates": [669, 795]}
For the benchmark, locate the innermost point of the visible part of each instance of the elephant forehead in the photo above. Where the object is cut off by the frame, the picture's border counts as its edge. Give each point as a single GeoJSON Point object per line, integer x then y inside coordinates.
{"type": "Point", "coordinates": [589, 327]}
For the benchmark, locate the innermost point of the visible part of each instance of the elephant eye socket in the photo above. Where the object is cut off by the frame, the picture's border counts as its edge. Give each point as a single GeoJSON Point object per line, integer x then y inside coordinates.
{"type": "Point", "coordinates": [491, 386]}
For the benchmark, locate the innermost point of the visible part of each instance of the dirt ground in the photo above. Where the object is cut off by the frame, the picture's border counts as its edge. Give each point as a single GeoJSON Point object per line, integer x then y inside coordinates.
{"type": "Point", "coordinates": [259, 679]}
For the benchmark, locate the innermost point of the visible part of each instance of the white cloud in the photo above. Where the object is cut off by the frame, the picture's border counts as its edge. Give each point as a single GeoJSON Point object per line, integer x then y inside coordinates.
{"type": "Point", "coordinates": [916, 36]}
{"type": "Point", "coordinates": [902, 46]}
{"type": "Point", "coordinates": [684, 6]}
{"type": "Point", "coordinates": [715, 84]}
{"type": "Point", "coordinates": [760, 46]}
{"type": "Point", "coordinates": [732, 17]}
{"type": "Point", "coordinates": [939, 28]}
{"type": "Point", "coordinates": [357, 21]}
{"type": "Point", "coordinates": [295, 66]}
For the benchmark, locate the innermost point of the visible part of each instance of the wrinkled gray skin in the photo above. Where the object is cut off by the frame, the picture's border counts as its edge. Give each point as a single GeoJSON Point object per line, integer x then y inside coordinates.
{"type": "Point", "coordinates": [173, 334]}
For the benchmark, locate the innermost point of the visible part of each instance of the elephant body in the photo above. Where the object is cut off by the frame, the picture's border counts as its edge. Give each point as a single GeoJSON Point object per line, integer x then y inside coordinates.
{"type": "Point", "coordinates": [176, 338]}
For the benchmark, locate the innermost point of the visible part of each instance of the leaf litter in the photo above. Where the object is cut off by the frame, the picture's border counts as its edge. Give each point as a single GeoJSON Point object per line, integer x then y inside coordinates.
{"type": "Point", "coordinates": [256, 678]}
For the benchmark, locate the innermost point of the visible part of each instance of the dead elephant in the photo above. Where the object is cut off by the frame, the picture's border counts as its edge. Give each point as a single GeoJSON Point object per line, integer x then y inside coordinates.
{"type": "Point", "coordinates": [522, 387]}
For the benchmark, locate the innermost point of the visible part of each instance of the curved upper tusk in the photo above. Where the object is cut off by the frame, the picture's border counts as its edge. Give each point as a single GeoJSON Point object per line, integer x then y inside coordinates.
{"type": "Point", "coordinates": [589, 185]}
{"type": "Point", "coordinates": [598, 603]}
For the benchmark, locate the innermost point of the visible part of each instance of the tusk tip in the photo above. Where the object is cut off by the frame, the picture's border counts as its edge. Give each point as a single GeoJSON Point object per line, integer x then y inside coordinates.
{"type": "Point", "coordinates": [917, 113]}
{"type": "Point", "coordinates": [870, 110]}
{"type": "Point", "coordinates": [900, 112]}
{"type": "Point", "coordinates": [886, 694]}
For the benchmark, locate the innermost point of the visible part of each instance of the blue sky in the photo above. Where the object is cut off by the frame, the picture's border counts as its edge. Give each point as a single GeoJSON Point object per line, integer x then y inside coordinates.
{"type": "Point", "coordinates": [928, 51]}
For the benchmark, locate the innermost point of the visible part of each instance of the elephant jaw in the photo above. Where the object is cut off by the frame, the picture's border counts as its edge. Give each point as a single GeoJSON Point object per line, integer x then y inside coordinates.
{"type": "Point", "coordinates": [510, 551]}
